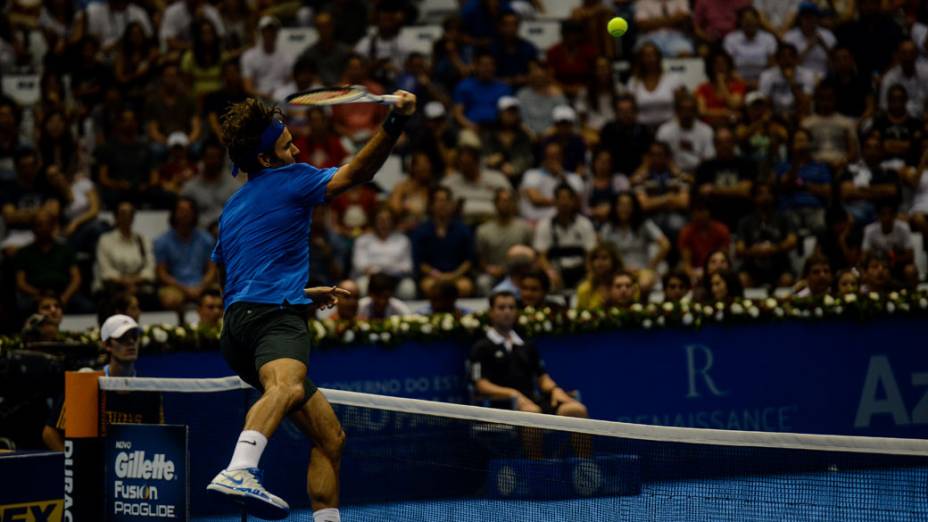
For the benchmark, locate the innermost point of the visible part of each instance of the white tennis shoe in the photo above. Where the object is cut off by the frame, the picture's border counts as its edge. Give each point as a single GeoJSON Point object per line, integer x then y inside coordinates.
{"type": "Point", "coordinates": [245, 487]}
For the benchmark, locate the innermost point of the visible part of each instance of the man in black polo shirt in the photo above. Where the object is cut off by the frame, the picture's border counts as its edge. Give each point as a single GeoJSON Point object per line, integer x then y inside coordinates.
{"type": "Point", "coordinates": [503, 366]}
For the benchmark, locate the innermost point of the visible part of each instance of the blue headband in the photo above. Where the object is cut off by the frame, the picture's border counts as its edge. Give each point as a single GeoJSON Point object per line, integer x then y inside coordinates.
{"type": "Point", "coordinates": [268, 140]}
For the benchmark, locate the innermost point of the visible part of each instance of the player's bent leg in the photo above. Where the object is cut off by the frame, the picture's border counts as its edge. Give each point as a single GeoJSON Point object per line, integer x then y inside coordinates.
{"type": "Point", "coordinates": [318, 421]}
{"type": "Point", "coordinates": [242, 481]}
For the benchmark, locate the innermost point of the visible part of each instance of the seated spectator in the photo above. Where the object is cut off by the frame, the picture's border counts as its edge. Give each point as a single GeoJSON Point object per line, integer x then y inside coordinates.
{"type": "Point", "coordinates": [538, 98]}
{"type": "Point", "coordinates": [605, 186]}
{"type": "Point", "coordinates": [474, 187]}
{"type": "Point", "coordinates": [209, 311]}
{"type": "Point", "coordinates": [676, 286]}
{"type": "Point", "coordinates": [212, 185]}
{"type": "Point", "coordinates": [853, 91]}
{"type": "Point", "coordinates": [57, 145]}
{"type": "Point", "coordinates": [358, 122]}
{"type": "Point", "coordinates": [108, 21]}
{"type": "Point", "coordinates": [725, 181]}
{"type": "Point", "coordinates": [601, 263]}
{"type": "Point", "coordinates": [699, 238]}
{"type": "Point", "coordinates": [353, 211]}
{"type": "Point", "coordinates": [813, 41]}
{"type": "Point", "coordinates": [652, 88]}
{"type": "Point", "coordinates": [639, 242]}
{"type": "Point", "coordinates": [177, 169]}
{"type": "Point", "coordinates": [765, 239]}
{"type": "Point", "coordinates": [47, 266]}
{"type": "Point", "coordinates": [865, 183]}
{"type": "Point", "coordinates": [452, 54]}
{"type": "Point", "coordinates": [125, 260]}
{"type": "Point", "coordinates": [476, 97]}
{"type": "Point", "coordinates": [847, 282]}
{"type": "Point", "coordinates": [202, 62]}
{"type": "Point", "coordinates": [596, 101]}
{"type": "Point", "coordinates": [572, 143]}
{"type": "Point", "coordinates": [183, 268]}
{"type": "Point", "coordinates": [834, 136]}
{"type": "Point", "coordinates": [302, 77]}
{"type": "Point", "coordinates": [327, 54]}
{"type": "Point", "coordinates": [571, 59]}
{"type": "Point", "coordinates": [912, 76]}
{"type": "Point", "coordinates": [122, 303]}
{"type": "Point", "coordinates": [917, 180]}
{"type": "Point", "coordinates": [496, 236]}
{"type": "Point", "coordinates": [662, 190]}
{"type": "Point", "coordinates": [761, 137]}
{"type": "Point", "coordinates": [22, 199]}
{"type": "Point", "coordinates": [410, 197]}
{"type": "Point", "coordinates": [564, 239]}
{"type": "Point", "coordinates": [443, 247]}
{"type": "Point", "coordinates": [443, 300]}
{"type": "Point", "coordinates": [892, 237]}
{"type": "Point", "coordinates": [380, 303]}
{"type": "Point", "coordinates": [513, 53]}
{"type": "Point", "coordinates": [721, 97]}
{"type": "Point", "coordinates": [176, 30]}
{"type": "Point", "coordinates": [120, 338]}
{"type": "Point", "coordinates": [626, 139]}
{"type": "Point", "coordinates": [231, 92]}
{"type": "Point", "coordinates": [386, 50]}
{"type": "Point", "coordinates": [805, 185]}
{"type": "Point", "coordinates": [170, 109]}
{"type": "Point", "coordinates": [504, 366]}
{"type": "Point", "coordinates": [665, 23]}
{"type": "Point", "coordinates": [320, 145]}
{"type": "Point", "coordinates": [722, 287]}
{"type": "Point", "coordinates": [816, 277]}
{"type": "Point", "coordinates": [135, 66]}
{"type": "Point", "coordinates": [346, 309]}
{"type": "Point", "coordinates": [520, 259]}
{"type": "Point", "coordinates": [594, 15]}
{"type": "Point", "coordinates": [81, 208]}
{"type": "Point", "coordinates": [690, 139]}
{"type": "Point", "coordinates": [508, 147]}
{"type": "Point", "coordinates": [436, 137]}
{"type": "Point", "coordinates": [875, 273]}
{"type": "Point", "coordinates": [266, 66]}
{"type": "Point", "coordinates": [750, 47]}
{"type": "Point", "coordinates": [384, 250]}
{"type": "Point", "coordinates": [787, 84]}
{"type": "Point", "coordinates": [90, 76]}
{"type": "Point", "coordinates": [534, 286]}
{"type": "Point", "coordinates": [45, 324]}
{"type": "Point", "coordinates": [714, 19]}
{"type": "Point", "coordinates": [902, 133]}
{"type": "Point", "coordinates": [537, 188]}
{"type": "Point", "coordinates": [623, 292]}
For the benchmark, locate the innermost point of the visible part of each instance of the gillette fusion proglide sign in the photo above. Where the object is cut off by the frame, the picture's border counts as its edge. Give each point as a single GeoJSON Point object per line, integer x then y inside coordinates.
{"type": "Point", "coordinates": [146, 473]}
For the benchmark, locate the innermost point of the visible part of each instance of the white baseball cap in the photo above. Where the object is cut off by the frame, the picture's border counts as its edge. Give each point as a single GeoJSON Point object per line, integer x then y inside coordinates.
{"type": "Point", "coordinates": [563, 113]}
{"type": "Point", "coordinates": [434, 109]}
{"type": "Point", "coordinates": [507, 102]}
{"type": "Point", "coordinates": [268, 21]}
{"type": "Point", "coordinates": [116, 326]}
{"type": "Point", "coordinates": [178, 139]}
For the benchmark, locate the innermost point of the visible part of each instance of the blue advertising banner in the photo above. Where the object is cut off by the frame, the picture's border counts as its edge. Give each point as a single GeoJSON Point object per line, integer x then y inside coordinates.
{"type": "Point", "coordinates": [146, 473]}
{"type": "Point", "coordinates": [38, 498]}
{"type": "Point", "coordinates": [833, 377]}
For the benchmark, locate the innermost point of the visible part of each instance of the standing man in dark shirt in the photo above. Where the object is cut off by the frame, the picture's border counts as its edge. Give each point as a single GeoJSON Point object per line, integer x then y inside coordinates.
{"type": "Point", "coordinates": [625, 138]}
{"type": "Point", "coordinates": [47, 266]}
{"type": "Point", "coordinates": [504, 366]}
{"type": "Point", "coordinates": [443, 247]}
{"type": "Point", "coordinates": [726, 180]}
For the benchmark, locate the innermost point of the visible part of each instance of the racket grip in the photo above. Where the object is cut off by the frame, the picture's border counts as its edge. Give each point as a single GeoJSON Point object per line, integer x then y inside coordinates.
{"type": "Point", "coordinates": [389, 99]}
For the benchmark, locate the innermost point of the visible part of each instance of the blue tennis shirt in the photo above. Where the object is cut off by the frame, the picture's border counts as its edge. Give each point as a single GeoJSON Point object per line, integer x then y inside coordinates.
{"type": "Point", "coordinates": [264, 235]}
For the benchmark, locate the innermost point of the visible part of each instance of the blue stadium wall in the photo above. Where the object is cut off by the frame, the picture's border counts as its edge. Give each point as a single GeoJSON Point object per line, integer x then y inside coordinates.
{"type": "Point", "coordinates": [832, 377]}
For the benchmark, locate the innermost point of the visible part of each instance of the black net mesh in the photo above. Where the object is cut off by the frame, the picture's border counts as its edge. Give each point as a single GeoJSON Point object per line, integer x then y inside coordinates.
{"type": "Point", "coordinates": [410, 467]}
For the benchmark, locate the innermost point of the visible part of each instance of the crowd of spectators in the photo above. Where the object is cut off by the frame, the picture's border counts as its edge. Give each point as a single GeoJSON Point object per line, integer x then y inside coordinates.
{"type": "Point", "coordinates": [586, 174]}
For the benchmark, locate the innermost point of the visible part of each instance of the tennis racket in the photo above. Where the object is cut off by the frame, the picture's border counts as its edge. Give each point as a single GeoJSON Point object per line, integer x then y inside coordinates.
{"type": "Point", "coordinates": [340, 96]}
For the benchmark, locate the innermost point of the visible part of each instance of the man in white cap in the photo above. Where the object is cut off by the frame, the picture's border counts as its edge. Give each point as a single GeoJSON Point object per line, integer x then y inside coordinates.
{"type": "Point", "coordinates": [120, 336]}
{"type": "Point", "coordinates": [564, 131]}
{"type": "Point", "coordinates": [266, 67]}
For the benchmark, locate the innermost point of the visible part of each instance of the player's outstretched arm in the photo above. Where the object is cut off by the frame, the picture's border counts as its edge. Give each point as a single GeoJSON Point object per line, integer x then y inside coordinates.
{"type": "Point", "coordinates": [369, 160]}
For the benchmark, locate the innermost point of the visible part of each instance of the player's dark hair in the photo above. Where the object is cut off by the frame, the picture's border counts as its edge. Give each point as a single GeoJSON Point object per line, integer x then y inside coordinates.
{"type": "Point", "coordinates": [242, 126]}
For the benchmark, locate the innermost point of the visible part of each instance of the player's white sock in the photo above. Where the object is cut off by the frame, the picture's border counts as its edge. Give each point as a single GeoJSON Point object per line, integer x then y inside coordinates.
{"type": "Point", "coordinates": [248, 450]}
{"type": "Point", "coordinates": [326, 515]}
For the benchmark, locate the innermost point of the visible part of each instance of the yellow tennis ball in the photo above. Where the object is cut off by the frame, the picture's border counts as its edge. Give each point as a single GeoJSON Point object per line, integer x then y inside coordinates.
{"type": "Point", "coordinates": [617, 26]}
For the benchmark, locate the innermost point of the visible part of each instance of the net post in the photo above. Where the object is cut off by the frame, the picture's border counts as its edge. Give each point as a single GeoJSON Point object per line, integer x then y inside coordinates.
{"type": "Point", "coordinates": [83, 475]}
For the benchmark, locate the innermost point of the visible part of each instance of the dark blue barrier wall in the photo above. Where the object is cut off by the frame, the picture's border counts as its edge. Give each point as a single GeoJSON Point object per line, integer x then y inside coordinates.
{"type": "Point", "coordinates": [802, 376]}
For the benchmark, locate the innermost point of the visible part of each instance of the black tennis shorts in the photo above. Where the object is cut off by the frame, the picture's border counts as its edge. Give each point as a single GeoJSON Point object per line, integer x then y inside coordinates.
{"type": "Point", "coordinates": [256, 334]}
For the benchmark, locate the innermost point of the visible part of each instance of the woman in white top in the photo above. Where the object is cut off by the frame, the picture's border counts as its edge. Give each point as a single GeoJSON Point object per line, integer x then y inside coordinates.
{"type": "Point", "coordinates": [813, 42]}
{"type": "Point", "coordinates": [750, 47]}
{"type": "Point", "coordinates": [596, 102]}
{"type": "Point", "coordinates": [635, 238]}
{"type": "Point", "coordinates": [125, 259]}
{"type": "Point", "coordinates": [384, 250]}
{"type": "Point", "coordinates": [652, 88]}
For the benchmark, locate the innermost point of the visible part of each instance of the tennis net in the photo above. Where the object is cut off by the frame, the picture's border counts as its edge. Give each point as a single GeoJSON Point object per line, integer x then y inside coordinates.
{"type": "Point", "coordinates": [411, 460]}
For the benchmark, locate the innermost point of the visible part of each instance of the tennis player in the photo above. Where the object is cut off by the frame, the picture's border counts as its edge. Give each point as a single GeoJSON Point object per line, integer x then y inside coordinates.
{"type": "Point", "coordinates": [263, 260]}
